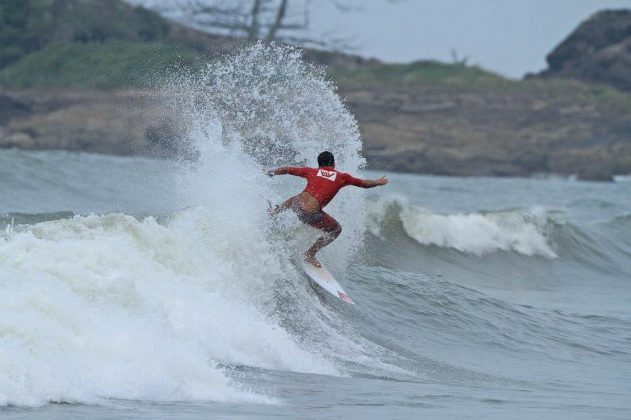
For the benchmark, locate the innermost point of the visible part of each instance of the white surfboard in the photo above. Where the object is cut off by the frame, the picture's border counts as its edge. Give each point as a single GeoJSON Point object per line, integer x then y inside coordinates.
{"type": "Point", "coordinates": [324, 279]}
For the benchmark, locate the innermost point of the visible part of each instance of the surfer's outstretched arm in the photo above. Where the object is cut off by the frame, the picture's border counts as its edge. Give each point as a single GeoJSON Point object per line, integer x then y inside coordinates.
{"type": "Point", "coordinates": [367, 183]}
{"type": "Point", "coordinates": [371, 183]}
{"type": "Point", "coordinates": [291, 170]}
{"type": "Point", "coordinates": [277, 171]}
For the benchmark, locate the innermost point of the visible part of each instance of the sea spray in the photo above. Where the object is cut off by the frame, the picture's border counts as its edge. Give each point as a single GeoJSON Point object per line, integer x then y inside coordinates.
{"type": "Point", "coordinates": [115, 306]}
{"type": "Point", "coordinates": [259, 108]}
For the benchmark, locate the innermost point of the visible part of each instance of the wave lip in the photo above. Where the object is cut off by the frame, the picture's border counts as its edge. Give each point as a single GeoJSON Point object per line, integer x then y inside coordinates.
{"type": "Point", "coordinates": [522, 231]}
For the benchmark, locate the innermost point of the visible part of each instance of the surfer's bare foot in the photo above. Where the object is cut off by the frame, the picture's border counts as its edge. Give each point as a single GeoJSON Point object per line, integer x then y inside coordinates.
{"type": "Point", "coordinates": [311, 259]}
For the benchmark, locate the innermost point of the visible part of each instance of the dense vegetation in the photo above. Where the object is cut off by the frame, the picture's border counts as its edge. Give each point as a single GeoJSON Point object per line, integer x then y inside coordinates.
{"type": "Point", "coordinates": [82, 43]}
{"type": "Point", "coordinates": [110, 64]}
{"type": "Point", "coordinates": [422, 73]}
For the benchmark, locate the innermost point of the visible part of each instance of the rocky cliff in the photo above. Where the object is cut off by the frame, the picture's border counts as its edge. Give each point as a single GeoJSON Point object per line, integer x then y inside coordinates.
{"type": "Point", "coordinates": [494, 133]}
{"type": "Point", "coordinates": [599, 50]}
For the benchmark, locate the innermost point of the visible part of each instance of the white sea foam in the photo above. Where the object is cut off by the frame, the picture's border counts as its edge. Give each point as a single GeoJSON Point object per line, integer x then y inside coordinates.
{"type": "Point", "coordinates": [108, 306]}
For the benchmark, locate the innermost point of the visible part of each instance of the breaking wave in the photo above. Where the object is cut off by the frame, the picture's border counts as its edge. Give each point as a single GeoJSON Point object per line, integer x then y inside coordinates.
{"type": "Point", "coordinates": [525, 232]}
{"type": "Point", "coordinates": [114, 306]}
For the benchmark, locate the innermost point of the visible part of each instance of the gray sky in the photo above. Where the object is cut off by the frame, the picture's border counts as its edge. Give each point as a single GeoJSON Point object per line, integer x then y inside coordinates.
{"type": "Point", "coordinates": [510, 37]}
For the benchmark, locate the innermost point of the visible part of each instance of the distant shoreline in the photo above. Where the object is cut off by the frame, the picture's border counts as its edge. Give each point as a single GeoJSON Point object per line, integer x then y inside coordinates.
{"type": "Point", "coordinates": [427, 131]}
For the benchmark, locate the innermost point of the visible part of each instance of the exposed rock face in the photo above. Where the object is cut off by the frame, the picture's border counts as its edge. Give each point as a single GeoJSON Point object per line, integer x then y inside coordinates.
{"type": "Point", "coordinates": [412, 129]}
{"type": "Point", "coordinates": [426, 130]}
{"type": "Point", "coordinates": [599, 50]}
{"type": "Point", "coordinates": [90, 121]}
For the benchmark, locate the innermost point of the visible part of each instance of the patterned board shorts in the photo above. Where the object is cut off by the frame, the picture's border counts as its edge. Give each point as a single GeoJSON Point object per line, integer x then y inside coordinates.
{"type": "Point", "coordinates": [319, 219]}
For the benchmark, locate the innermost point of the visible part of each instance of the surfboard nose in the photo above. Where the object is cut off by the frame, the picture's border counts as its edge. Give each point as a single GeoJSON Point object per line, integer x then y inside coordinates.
{"type": "Point", "coordinates": [345, 297]}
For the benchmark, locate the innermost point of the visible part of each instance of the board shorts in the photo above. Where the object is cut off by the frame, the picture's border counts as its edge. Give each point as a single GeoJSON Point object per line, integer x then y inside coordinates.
{"type": "Point", "coordinates": [319, 219]}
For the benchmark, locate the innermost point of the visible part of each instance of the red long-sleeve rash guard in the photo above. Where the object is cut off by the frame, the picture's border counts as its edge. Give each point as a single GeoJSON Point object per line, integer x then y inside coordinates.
{"type": "Point", "coordinates": [324, 182]}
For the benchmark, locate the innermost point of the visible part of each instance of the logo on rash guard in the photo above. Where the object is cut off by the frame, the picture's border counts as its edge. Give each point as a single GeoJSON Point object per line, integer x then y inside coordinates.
{"type": "Point", "coordinates": [330, 175]}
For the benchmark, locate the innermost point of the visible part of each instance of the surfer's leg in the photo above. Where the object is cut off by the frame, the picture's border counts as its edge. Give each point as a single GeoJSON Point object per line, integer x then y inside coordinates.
{"type": "Point", "coordinates": [332, 230]}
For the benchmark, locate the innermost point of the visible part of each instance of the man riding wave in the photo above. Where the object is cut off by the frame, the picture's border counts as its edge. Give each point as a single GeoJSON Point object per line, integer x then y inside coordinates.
{"type": "Point", "coordinates": [323, 183]}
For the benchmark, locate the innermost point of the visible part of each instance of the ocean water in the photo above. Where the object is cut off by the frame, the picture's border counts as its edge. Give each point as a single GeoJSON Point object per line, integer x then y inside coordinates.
{"type": "Point", "coordinates": [134, 287]}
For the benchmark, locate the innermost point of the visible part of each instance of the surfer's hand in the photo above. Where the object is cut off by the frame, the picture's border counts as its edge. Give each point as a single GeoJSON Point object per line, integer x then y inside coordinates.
{"type": "Point", "coordinates": [269, 172]}
{"type": "Point", "coordinates": [272, 211]}
{"type": "Point", "coordinates": [372, 183]}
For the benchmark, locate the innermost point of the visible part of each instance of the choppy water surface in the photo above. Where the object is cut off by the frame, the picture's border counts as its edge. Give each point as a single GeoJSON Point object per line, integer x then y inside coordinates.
{"type": "Point", "coordinates": [141, 288]}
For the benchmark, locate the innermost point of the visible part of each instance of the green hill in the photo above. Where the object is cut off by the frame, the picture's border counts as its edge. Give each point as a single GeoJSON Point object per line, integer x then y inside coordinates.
{"type": "Point", "coordinates": [84, 43]}
{"type": "Point", "coordinates": [420, 73]}
{"type": "Point", "coordinates": [110, 64]}
{"type": "Point", "coordinates": [29, 25]}
{"type": "Point", "coordinates": [111, 44]}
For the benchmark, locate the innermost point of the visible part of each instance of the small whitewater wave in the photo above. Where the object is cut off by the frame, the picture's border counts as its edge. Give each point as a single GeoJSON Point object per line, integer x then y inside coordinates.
{"type": "Point", "coordinates": [525, 232]}
{"type": "Point", "coordinates": [600, 248]}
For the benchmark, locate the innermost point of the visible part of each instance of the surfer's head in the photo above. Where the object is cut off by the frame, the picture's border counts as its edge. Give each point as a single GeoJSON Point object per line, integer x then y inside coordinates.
{"type": "Point", "coordinates": [326, 159]}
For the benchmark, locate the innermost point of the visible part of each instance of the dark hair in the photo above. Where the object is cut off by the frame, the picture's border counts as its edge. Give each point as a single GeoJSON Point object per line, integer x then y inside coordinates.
{"type": "Point", "coordinates": [326, 159]}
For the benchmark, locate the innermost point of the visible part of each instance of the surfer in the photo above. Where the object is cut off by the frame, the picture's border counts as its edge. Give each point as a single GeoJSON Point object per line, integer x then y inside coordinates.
{"type": "Point", "coordinates": [323, 183]}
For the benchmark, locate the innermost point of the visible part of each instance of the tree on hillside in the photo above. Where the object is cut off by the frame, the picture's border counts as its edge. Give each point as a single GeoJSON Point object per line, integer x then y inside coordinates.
{"type": "Point", "coordinates": [254, 19]}
{"type": "Point", "coordinates": [265, 20]}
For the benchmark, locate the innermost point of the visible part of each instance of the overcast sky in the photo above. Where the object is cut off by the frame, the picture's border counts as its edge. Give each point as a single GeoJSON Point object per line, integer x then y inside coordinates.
{"type": "Point", "coordinates": [510, 37]}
